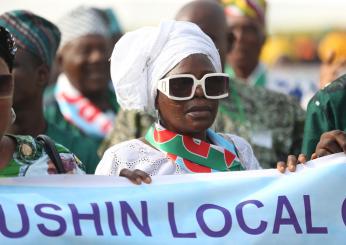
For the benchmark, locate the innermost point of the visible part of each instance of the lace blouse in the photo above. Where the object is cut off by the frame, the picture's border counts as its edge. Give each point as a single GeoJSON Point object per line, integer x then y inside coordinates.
{"type": "Point", "coordinates": [134, 154]}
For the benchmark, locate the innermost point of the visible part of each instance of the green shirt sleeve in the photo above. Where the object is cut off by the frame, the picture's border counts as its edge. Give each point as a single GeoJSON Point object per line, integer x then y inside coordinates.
{"type": "Point", "coordinates": [317, 122]}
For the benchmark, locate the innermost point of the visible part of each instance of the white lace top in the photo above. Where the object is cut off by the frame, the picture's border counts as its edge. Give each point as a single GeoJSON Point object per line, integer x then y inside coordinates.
{"type": "Point", "coordinates": [134, 154]}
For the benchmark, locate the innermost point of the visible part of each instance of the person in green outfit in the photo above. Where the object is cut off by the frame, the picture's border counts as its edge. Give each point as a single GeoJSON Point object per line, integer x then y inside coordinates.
{"type": "Point", "coordinates": [326, 112]}
{"type": "Point", "coordinates": [23, 155]}
{"type": "Point", "coordinates": [37, 40]}
{"type": "Point", "coordinates": [82, 99]}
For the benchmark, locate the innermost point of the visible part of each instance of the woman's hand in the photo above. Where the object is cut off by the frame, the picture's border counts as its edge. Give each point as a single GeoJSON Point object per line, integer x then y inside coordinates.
{"type": "Point", "coordinates": [330, 143]}
{"type": "Point", "coordinates": [291, 163]}
{"type": "Point", "coordinates": [135, 176]}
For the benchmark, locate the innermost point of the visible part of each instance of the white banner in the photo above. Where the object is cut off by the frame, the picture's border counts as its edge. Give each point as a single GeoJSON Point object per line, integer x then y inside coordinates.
{"type": "Point", "coordinates": [249, 207]}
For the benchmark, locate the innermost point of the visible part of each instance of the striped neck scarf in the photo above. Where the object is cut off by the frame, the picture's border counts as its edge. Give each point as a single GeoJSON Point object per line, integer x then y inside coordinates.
{"type": "Point", "coordinates": [80, 111]}
{"type": "Point", "coordinates": [195, 155]}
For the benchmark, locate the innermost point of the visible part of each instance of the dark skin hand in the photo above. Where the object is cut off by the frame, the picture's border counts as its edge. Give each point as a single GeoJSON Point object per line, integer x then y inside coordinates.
{"type": "Point", "coordinates": [330, 142]}
{"type": "Point", "coordinates": [136, 176]}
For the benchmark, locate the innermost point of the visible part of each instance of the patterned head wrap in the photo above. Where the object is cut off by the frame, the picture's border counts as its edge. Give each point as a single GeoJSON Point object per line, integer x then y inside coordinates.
{"type": "Point", "coordinates": [255, 9]}
{"type": "Point", "coordinates": [111, 20]}
{"type": "Point", "coordinates": [82, 21]}
{"type": "Point", "coordinates": [142, 57]}
{"type": "Point", "coordinates": [7, 47]}
{"type": "Point", "coordinates": [33, 33]}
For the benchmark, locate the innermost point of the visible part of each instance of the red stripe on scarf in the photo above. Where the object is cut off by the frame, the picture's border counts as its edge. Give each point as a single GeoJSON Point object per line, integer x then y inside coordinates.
{"type": "Point", "coordinates": [229, 157]}
{"type": "Point", "coordinates": [201, 149]}
{"type": "Point", "coordinates": [71, 100]}
{"type": "Point", "coordinates": [163, 136]}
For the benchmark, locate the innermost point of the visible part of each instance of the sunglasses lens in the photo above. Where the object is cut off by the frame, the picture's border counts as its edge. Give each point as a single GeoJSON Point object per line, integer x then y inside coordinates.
{"type": "Point", "coordinates": [180, 86]}
{"type": "Point", "coordinates": [216, 85]}
{"type": "Point", "coordinates": [6, 85]}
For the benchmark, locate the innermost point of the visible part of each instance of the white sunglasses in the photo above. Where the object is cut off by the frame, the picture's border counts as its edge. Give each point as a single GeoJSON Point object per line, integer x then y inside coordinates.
{"type": "Point", "coordinates": [183, 86]}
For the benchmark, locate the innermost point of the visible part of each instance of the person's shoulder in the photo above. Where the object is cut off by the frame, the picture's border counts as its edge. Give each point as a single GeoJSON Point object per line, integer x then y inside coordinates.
{"type": "Point", "coordinates": [334, 93]}
{"type": "Point", "coordinates": [240, 142]}
{"type": "Point", "coordinates": [246, 154]}
{"type": "Point", "coordinates": [129, 147]}
{"type": "Point", "coordinates": [263, 95]}
{"type": "Point", "coordinates": [68, 136]}
{"type": "Point", "coordinates": [265, 102]}
{"type": "Point", "coordinates": [127, 154]}
{"type": "Point", "coordinates": [337, 85]}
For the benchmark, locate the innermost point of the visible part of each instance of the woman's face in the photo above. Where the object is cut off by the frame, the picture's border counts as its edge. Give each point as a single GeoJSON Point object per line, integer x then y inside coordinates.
{"type": "Point", "coordinates": [189, 117]}
{"type": "Point", "coordinates": [85, 62]}
{"type": "Point", "coordinates": [6, 93]}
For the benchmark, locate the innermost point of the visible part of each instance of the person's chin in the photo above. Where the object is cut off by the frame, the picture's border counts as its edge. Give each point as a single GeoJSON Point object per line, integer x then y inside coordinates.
{"type": "Point", "coordinates": [240, 58]}
{"type": "Point", "coordinates": [199, 124]}
{"type": "Point", "coordinates": [94, 87]}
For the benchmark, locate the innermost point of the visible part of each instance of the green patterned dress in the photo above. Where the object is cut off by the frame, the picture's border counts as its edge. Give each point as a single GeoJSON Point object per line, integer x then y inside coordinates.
{"type": "Point", "coordinates": [30, 159]}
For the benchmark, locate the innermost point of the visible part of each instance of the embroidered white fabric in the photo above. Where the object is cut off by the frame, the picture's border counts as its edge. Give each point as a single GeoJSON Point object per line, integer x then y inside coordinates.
{"type": "Point", "coordinates": [134, 154]}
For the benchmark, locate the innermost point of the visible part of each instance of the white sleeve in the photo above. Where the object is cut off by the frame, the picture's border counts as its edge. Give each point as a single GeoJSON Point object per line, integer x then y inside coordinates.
{"type": "Point", "coordinates": [246, 154]}
{"type": "Point", "coordinates": [105, 165]}
{"type": "Point", "coordinates": [117, 157]}
{"type": "Point", "coordinates": [134, 154]}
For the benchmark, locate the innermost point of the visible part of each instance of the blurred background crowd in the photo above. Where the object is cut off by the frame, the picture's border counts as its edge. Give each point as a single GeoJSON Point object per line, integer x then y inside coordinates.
{"type": "Point", "coordinates": [299, 34]}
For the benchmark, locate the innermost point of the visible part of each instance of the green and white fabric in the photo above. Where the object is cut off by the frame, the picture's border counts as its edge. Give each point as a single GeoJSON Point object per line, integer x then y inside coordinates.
{"type": "Point", "coordinates": [30, 159]}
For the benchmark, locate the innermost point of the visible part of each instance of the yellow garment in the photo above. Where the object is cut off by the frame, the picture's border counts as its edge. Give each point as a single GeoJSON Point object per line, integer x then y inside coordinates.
{"type": "Point", "coordinates": [250, 8]}
{"type": "Point", "coordinates": [333, 42]}
{"type": "Point", "coordinates": [275, 49]}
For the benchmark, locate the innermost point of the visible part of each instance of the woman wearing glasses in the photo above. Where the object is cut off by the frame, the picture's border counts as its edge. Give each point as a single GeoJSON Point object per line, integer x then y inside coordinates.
{"type": "Point", "coordinates": [174, 70]}
{"type": "Point", "coordinates": [23, 155]}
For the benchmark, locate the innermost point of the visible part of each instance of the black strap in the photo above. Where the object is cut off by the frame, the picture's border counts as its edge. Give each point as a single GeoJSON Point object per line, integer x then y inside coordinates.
{"type": "Point", "coordinates": [52, 152]}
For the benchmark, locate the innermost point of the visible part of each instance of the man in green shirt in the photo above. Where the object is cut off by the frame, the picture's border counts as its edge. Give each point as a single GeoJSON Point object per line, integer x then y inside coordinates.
{"type": "Point", "coordinates": [326, 111]}
{"type": "Point", "coordinates": [37, 40]}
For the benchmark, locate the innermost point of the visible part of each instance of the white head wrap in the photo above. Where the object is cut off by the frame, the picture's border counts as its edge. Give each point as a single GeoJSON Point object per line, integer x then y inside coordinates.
{"type": "Point", "coordinates": [80, 22]}
{"type": "Point", "coordinates": [142, 57]}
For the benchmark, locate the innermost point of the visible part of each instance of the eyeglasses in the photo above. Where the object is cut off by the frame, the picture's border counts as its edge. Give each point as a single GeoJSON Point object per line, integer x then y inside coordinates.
{"type": "Point", "coordinates": [6, 86]}
{"type": "Point", "coordinates": [183, 86]}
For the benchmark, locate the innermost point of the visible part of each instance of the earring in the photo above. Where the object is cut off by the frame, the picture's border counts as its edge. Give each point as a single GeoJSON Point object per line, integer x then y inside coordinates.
{"type": "Point", "coordinates": [13, 116]}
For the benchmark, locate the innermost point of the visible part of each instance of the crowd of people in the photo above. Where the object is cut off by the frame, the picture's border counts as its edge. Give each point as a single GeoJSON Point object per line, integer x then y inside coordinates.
{"type": "Point", "coordinates": [187, 96]}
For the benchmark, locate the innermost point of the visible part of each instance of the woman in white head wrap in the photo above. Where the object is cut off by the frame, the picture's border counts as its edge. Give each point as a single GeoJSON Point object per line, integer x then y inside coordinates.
{"type": "Point", "coordinates": [174, 69]}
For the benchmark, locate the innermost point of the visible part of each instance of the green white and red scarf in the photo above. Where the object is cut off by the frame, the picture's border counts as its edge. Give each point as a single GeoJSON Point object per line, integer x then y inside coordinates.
{"type": "Point", "coordinates": [80, 111]}
{"type": "Point", "coordinates": [194, 155]}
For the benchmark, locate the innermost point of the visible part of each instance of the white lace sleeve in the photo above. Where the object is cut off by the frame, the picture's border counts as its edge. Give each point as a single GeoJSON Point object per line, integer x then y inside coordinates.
{"type": "Point", "coordinates": [246, 155]}
{"type": "Point", "coordinates": [134, 154]}
{"type": "Point", "coordinates": [105, 166]}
